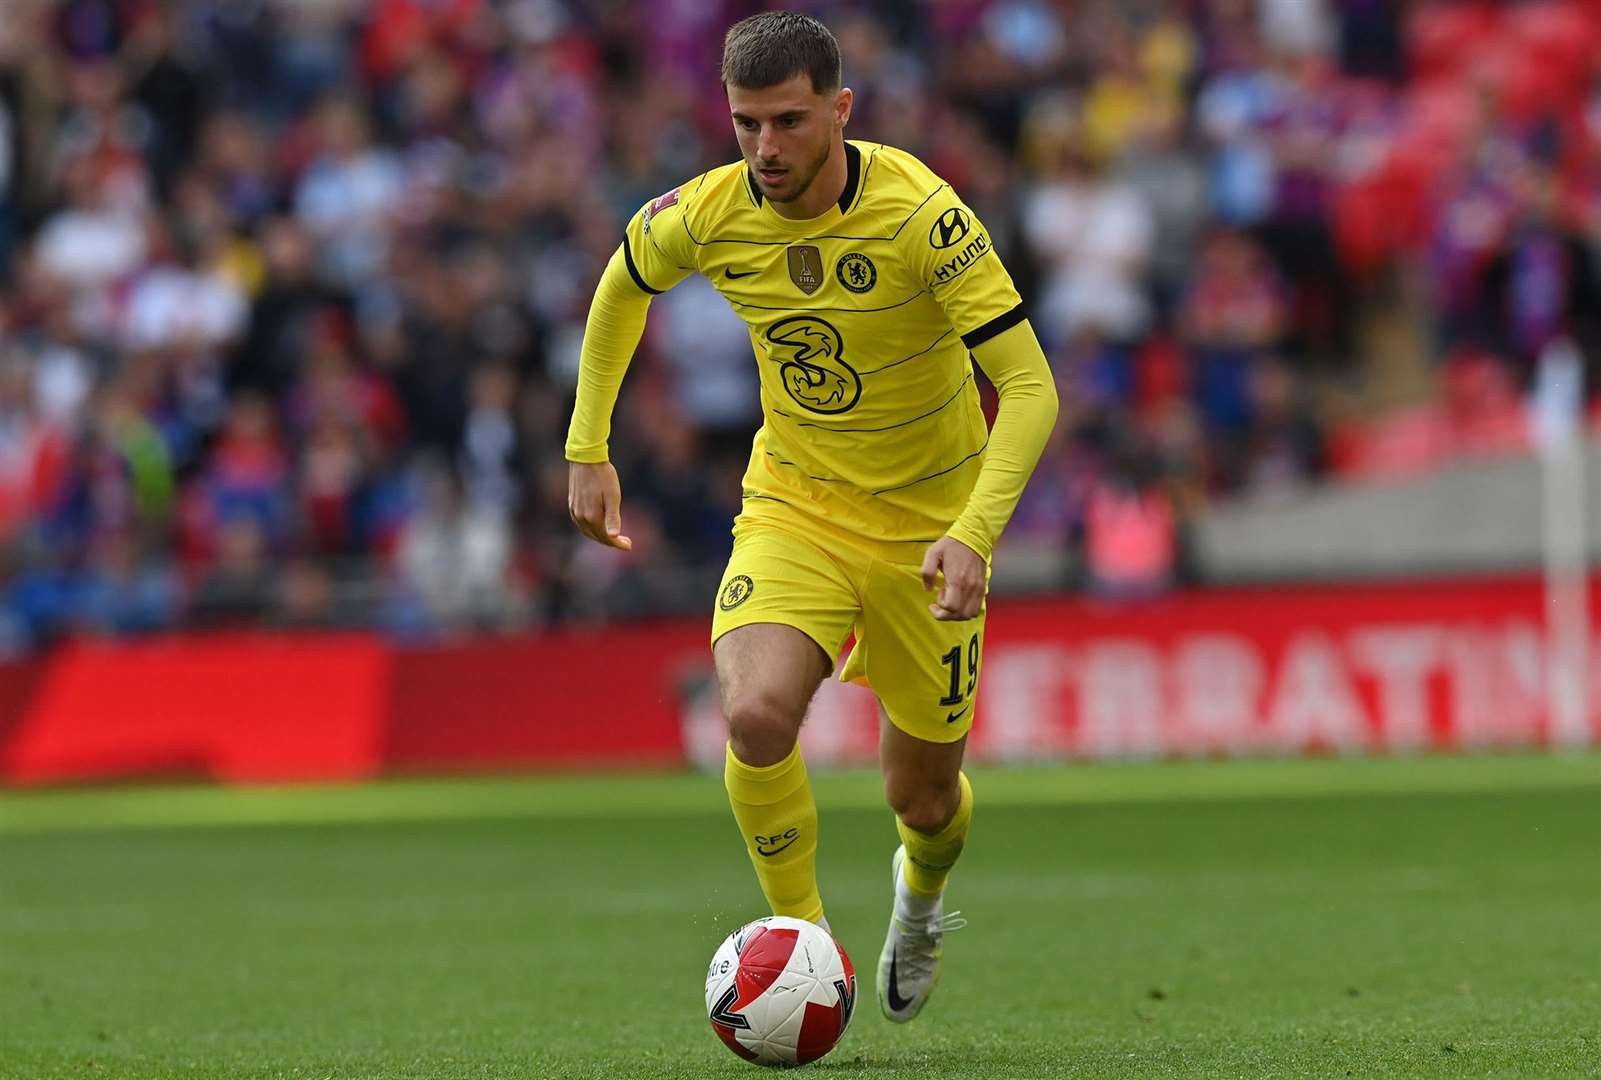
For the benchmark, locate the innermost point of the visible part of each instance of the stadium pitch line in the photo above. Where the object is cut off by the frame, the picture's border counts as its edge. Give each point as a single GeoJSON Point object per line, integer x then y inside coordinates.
{"type": "Point", "coordinates": [686, 793]}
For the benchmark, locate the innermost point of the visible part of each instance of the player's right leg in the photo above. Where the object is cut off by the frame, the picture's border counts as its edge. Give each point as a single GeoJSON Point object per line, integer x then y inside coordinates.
{"type": "Point", "coordinates": [767, 674]}
{"type": "Point", "coordinates": [783, 612]}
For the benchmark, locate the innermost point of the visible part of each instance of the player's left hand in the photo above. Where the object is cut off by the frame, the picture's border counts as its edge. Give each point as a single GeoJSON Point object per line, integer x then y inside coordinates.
{"type": "Point", "coordinates": [962, 596]}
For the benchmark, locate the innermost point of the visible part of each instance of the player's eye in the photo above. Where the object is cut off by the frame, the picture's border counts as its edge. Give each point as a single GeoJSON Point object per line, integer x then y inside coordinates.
{"type": "Point", "coordinates": [746, 123]}
{"type": "Point", "coordinates": [789, 121]}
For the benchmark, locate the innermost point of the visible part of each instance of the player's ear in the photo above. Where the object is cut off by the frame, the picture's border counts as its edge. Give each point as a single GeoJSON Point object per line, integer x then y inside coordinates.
{"type": "Point", "coordinates": [842, 106]}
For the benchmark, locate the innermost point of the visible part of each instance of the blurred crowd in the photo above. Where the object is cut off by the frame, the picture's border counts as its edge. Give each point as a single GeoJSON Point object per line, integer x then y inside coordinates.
{"type": "Point", "coordinates": [292, 291]}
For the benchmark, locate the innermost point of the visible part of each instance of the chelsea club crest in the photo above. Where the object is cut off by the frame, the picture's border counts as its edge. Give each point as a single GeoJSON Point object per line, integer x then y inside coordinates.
{"type": "Point", "coordinates": [856, 272]}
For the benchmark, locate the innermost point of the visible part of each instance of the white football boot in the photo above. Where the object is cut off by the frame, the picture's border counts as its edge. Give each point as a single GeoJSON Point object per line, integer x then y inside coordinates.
{"type": "Point", "coordinates": [913, 955]}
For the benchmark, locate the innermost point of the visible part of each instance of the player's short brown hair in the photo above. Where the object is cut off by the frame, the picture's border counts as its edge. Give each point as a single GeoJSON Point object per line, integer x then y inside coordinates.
{"type": "Point", "coordinates": [775, 46]}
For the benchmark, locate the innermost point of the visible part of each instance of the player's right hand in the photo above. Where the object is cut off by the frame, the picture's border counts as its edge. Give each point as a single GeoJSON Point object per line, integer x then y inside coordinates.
{"type": "Point", "coordinates": [595, 502]}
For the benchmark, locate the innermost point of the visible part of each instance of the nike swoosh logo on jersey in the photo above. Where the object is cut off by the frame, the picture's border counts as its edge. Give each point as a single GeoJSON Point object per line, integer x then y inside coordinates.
{"type": "Point", "coordinates": [951, 718]}
{"type": "Point", "coordinates": [892, 992]}
{"type": "Point", "coordinates": [733, 274]}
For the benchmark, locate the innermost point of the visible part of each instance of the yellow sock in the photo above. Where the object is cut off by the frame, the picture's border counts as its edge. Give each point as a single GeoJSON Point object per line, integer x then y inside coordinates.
{"type": "Point", "coordinates": [778, 819]}
{"type": "Point", "coordinates": [929, 858]}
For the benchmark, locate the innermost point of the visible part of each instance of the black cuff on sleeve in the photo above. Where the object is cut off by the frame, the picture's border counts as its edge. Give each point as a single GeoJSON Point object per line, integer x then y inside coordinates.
{"type": "Point", "coordinates": [998, 325]}
{"type": "Point", "coordinates": [633, 271]}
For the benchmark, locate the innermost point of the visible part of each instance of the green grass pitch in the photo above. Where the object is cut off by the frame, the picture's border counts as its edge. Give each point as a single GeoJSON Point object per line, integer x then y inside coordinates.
{"type": "Point", "coordinates": [1401, 917]}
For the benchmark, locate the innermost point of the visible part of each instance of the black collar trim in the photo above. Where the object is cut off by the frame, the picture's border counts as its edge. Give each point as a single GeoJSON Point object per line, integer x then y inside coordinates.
{"type": "Point", "coordinates": [853, 177]}
{"type": "Point", "coordinates": [853, 180]}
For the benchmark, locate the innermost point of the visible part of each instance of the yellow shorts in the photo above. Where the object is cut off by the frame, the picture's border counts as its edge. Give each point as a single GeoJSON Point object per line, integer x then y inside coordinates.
{"type": "Point", "coordinates": [826, 584]}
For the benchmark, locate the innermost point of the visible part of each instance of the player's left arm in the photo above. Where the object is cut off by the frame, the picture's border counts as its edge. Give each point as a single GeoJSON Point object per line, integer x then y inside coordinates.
{"type": "Point", "coordinates": [952, 249]}
{"type": "Point", "coordinates": [1016, 364]}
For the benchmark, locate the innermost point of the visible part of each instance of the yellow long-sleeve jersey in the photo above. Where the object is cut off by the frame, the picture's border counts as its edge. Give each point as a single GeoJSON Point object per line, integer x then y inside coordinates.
{"type": "Point", "coordinates": [863, 320]}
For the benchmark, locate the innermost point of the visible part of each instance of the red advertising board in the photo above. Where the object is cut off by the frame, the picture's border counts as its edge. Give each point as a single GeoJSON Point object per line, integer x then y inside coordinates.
{"type": "Point", "coordinates": [603, 698]}
{"type": "Point", "coordinates": [237, 707]}
{"type": "Point", "coordinates": [1350, 668]}
{"type": "Point", "coordinates": [1361, 668]}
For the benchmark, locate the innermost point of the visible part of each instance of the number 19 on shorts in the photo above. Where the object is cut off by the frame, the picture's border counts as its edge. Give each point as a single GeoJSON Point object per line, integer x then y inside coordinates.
{"type": "Point", "coordinates": [963, 682]}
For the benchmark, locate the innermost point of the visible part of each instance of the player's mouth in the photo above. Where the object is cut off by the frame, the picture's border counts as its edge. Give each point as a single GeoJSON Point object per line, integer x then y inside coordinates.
{"type": "Point", "coordinates": [772, 176]}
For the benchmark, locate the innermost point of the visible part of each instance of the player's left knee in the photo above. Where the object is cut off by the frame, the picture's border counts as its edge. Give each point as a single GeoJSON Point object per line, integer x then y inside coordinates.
{"type": "Point", "coordinates": [923, 807]}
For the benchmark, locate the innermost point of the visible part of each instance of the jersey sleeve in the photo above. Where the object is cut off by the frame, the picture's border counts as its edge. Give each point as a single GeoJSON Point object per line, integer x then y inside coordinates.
{"type": "Point", "coordinates": [949, 248]}
{"type": "Point", "coordinates": [657, 247]}
{"type": "Point", "coordinates": [1023, 423]}
{"type": "Point", "coordinates": [616, 321]}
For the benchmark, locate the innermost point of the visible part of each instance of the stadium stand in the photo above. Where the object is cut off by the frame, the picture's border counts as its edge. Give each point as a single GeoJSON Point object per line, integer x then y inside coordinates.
{"type": "Point", "coordinates": [291, 291]}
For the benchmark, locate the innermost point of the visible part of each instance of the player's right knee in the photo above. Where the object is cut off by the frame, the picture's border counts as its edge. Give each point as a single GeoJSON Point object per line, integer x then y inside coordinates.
{"type": "Point", "coordinates": [761, 729]}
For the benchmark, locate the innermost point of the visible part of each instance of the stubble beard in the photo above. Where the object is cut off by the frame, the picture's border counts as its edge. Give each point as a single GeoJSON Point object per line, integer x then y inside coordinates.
{"type": "Point", "coordinates": [811, 175]}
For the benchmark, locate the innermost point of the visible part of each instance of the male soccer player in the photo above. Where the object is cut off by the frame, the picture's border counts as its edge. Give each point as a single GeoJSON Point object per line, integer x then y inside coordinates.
{"type": "Point", "coordinates": [867, 286]}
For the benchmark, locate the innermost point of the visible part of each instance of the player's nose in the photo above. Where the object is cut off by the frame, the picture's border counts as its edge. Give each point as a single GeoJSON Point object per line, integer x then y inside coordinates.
{"type": "Point", "coordinates": [766, 145]}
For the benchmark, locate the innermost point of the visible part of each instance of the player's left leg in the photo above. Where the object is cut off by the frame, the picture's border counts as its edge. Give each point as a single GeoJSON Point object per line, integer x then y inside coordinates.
{"type": "Point", "coordinates": [933, 804]}
{"type": "Point", "coordinates": [925, 673]}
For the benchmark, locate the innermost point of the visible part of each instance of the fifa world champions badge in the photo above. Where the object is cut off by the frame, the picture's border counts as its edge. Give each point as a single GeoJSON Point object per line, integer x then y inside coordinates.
{"type": "Point", "coordinates": [806, 267]}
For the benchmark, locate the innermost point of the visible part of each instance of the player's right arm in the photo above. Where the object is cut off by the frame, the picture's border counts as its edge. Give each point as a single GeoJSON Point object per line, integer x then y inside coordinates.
{"type": "Point", "coordinates": [655, 255]}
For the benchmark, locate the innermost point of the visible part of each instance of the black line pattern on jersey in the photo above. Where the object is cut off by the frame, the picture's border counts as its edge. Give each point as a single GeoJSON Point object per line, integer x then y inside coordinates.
{"type": "Point", "coordinates": [920, 205]}
{"type": "Point", "coordinates": [810, 310]}
{"type": "Point", "coordinates": [732, 240]}
{"type": "Point", "coordinates": [887, 427]}
{"type": "Point", "coordinates": [657, 246]}
{"type": "Point", "coordinates": [931, 475]}
{"type": "Point", "coordinates": [669, 258]}
{"type": "Point", "coordinates": [891, 236]}
{"type": "Point", "coordinates": [815, 236]}
{"type": "Point", "coordinates": [809, 476]}
{"type": "Point", "coordinates": [914, 356]}
{"type": "Point", "coordinates": [861, 191]}
{"type": "Point", "coordinates": [881, 239]}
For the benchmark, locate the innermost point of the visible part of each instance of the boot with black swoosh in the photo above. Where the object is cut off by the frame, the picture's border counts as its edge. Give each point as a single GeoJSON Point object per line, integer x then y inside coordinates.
{"type": "Point", "coordinates": [913, 953]}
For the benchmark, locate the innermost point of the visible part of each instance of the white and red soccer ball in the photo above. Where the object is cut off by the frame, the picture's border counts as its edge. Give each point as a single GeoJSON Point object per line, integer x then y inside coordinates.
{"type": "Point", "coordinates": [780, 991]}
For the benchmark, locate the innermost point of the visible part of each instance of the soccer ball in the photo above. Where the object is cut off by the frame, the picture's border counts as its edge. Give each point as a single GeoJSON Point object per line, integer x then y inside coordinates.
{"type": "Point", "coordinates": [780, 991]}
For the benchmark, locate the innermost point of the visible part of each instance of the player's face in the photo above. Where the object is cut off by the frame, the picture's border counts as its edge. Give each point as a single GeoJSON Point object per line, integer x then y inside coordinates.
{"type": "Point", "coordinates": [787, 132]}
